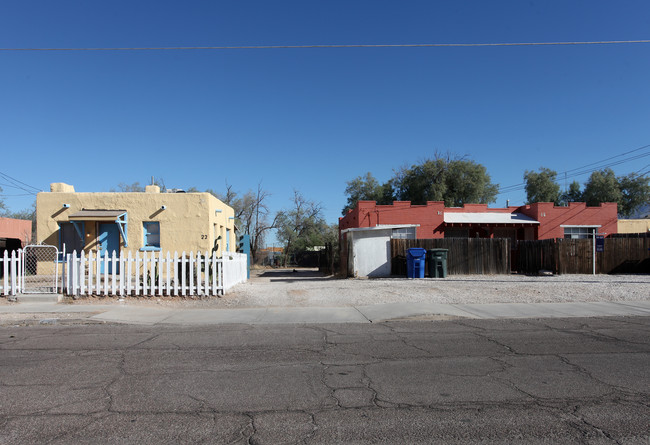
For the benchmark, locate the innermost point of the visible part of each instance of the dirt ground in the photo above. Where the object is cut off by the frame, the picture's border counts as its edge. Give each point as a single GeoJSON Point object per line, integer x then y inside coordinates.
{"type": "Point", "coordinates": [309, 288]}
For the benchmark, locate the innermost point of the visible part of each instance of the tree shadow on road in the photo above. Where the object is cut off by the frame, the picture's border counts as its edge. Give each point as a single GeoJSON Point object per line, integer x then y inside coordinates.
{"type": "Point", "coordinates": [291, 275]}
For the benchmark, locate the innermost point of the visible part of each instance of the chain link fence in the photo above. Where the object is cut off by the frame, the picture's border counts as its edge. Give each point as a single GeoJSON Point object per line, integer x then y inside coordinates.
{"type": "Point", "coordinates": [40, 269]}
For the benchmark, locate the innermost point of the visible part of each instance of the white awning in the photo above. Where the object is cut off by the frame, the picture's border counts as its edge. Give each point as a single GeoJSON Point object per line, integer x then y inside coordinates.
{"type": "Point", "coordinates": [487, 218]}
{"type": "Point", "coordinates": [380, 227]}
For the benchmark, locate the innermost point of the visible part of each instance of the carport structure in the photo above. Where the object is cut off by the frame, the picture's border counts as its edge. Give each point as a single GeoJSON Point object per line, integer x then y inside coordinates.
{"type": "Point", "coordinates": [515, 226]}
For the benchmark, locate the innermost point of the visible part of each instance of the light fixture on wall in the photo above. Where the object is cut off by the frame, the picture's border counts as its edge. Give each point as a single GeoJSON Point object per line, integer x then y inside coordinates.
{"type": "Point", "coordinates": [163, 207]}
{"type": "Point", "coordinates": [66, 206]}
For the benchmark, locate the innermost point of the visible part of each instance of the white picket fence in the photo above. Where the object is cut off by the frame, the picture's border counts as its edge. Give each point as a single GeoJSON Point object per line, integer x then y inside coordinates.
{"type": "Point", "coordinates": [146, 274]}
{"type": "Point", "coordinates": [11, 267]}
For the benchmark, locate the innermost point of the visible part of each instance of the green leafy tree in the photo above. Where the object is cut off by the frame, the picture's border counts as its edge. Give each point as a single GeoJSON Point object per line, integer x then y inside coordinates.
{"type": "Point", "coordinates": [541, 186]}
{"type": "Point", "coordinates": [422, 182]}
{"type": "Point", "coordinates": [387, 193]}
{"type": "Point", "coordinates": [602, 186]}
{"type": "Point", "coordinates": [468, 182]}
{"type": "Point", "coordinates": [456, 181]}
{"type": "Point", "coordinates": [331, 235]}
{"type": "Point", "coordinates": [574, 194]}
{"type": "Point", "coordinates": [635, 193]}
{"type": "Point", "coordinates": [362, 188]}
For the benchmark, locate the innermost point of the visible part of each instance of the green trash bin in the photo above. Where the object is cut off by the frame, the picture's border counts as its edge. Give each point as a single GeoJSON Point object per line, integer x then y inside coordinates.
{"type": "Point", "coordinates": [437, 259]}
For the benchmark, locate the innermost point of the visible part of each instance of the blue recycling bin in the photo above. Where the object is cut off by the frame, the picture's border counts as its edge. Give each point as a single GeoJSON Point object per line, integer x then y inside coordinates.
{"type": "Point", "coordinates": [415, 259]}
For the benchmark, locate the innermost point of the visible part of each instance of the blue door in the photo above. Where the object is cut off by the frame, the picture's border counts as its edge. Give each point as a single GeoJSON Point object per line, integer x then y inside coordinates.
{"type": "Point", "coordinates": [109, 241]}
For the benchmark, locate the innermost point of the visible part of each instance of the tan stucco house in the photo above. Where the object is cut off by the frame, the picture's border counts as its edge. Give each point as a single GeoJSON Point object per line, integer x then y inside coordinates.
{"type": "Point", "coordinates": [634, 225]}
{"type": "Point", "coordinates": [132, 221]}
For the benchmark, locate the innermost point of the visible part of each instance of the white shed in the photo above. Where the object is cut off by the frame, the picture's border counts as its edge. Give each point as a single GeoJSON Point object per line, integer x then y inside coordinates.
{"type": "Point", "coordinates": [368, 248]}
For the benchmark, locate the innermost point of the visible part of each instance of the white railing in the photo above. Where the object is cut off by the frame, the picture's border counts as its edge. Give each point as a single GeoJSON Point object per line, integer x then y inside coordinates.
{"type": "Point", "coordinates": [11, 273]}
{"type": "Point", "coordinates": [152, 274]}
{"type": "Point", "coordinates": [146, 274]}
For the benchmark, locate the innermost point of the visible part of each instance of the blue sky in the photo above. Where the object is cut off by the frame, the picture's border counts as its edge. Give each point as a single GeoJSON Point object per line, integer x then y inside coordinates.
{"type": "Point", "coordinates": [312, 119]}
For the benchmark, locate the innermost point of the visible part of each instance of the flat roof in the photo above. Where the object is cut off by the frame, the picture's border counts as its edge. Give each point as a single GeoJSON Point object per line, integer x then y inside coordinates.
{"type": "Point", "coordinates": [487, 218]}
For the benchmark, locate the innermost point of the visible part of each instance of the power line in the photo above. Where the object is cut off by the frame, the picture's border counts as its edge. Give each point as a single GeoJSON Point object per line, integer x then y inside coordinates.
{"type": "Point", "coordinates": [19, 194]}
{"type": "Point", "coordinates": [15, 183]}
{"type": "Point", "coordinates": [639, 171]}
{"type": "Point", "coordinates": [578, 171]}
{"type": "Point", "coordinates": [522, 186]}
{"type": "Point", "coordinates": [613, 157]}
{"type": "Point", "coordinates": [401, 45]}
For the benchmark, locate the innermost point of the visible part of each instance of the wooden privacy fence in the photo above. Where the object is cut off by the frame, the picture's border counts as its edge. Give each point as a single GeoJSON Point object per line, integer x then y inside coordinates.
{"type": "Point", "coordinates": [533, 256]}
{"type": "Point", "coordinates": [575, 256]}
{"type": "Point", "coordinates": [465, 255]}
{"type": "Point", "coordinates": [624, 255]}
{"type": "Point", "coordinates": [152, 274]}
{"type": "Point", "coordinates": [560, 256]}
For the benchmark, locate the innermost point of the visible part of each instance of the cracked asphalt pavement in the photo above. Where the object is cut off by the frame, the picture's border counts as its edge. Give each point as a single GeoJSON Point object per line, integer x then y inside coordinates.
{"type": "Point", "coordinates": [459, 381]}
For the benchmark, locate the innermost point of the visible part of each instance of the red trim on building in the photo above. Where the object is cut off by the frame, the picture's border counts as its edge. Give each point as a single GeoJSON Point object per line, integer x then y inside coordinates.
{"type": "Point", "coordinates": [430, 218]}
{"type": "Point", "coordinates": [19, 229]}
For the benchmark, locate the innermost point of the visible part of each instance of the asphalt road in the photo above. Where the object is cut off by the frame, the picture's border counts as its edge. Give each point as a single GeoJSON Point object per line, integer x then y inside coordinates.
{"type": "Point", "coordinates": [463, 381]}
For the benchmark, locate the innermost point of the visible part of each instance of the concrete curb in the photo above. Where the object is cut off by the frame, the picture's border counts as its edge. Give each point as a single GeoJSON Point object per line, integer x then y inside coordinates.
{"type": "Point", "coordinates": [132, 314]}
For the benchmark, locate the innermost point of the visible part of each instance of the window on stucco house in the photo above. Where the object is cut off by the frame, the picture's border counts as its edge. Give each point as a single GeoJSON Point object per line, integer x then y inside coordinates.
{"type": "Point", "coordinates": [151, 235]}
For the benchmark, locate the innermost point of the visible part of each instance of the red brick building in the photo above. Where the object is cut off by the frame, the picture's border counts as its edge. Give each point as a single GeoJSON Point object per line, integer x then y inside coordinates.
{"type": "Point", "coordinates": [529, 222]}
{"type": "Point", "coordinates": [14, 233]}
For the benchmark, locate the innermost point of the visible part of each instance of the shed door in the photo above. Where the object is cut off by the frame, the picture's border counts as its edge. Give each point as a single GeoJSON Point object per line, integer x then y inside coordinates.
{"type": "Point", "coordinates": [371, 254]}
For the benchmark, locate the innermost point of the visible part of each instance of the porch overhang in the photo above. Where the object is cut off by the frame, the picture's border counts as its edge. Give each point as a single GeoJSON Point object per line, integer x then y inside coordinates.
{"type": "Point", "coordinates": [118, 217]}
{"type": "Point", "coordinates": [493, 219]}
{"type": "Point", "coordinates": [380, 227]}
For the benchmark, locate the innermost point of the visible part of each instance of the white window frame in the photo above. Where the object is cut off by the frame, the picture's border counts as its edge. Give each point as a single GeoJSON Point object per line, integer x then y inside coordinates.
{"type": "Point", "coordinates": [403, 233]}
{"type": "Point", "coordinates": [580, 231]}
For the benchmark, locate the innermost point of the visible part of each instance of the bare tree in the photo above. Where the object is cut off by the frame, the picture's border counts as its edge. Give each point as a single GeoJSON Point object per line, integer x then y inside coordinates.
{"type": "Point", "coordinates": [137, 187]}
{"type": "Point", "coordinates": [251, 214]}
{"type": "Point", "coordinates": [260, 224]}
{"type": "Point", "coordinates": [299, 225]}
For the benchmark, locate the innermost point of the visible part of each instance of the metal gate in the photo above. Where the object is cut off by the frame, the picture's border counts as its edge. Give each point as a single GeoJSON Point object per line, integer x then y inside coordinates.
{"type": "Point", "coordinates": [40, 269]}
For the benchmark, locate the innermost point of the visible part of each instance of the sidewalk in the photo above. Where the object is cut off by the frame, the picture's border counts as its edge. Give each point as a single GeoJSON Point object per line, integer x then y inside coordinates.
{"type": "Point", "coordinates": [133, 314]}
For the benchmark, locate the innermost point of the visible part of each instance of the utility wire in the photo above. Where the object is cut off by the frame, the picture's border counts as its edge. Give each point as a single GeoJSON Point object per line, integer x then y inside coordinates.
{"type": "Point", "coordinates": [578, 171]}
{"type": "Point", "coordinates": [403, 45]}
{"type": "Point", "coordinates": [522, 186]}
{"type": "Point", "coordinates": [613, 157]}
{"type": "Point", "coordinates": [19, 188]}
{"type": "Point", "coordinates": [20, 194]}
{"type": "Point", "coordinates": [15, 183]}
{"type": "Point", "coordinates": [638, 172]}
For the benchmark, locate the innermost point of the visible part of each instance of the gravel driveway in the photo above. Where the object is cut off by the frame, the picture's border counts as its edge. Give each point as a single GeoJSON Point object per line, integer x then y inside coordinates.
{"type": "Point", "coordinates": [308, 288]}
